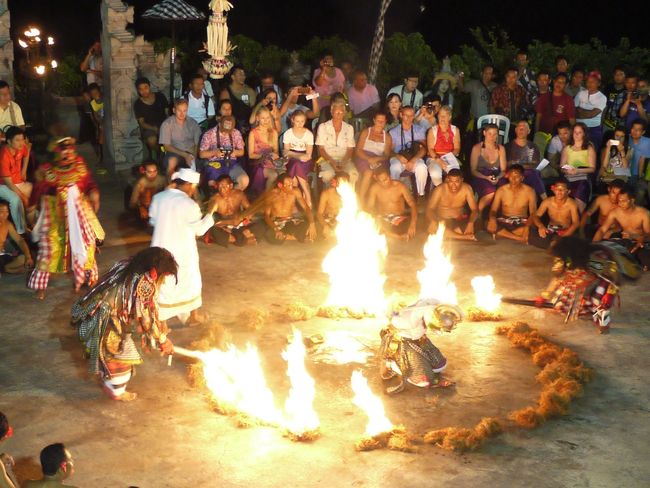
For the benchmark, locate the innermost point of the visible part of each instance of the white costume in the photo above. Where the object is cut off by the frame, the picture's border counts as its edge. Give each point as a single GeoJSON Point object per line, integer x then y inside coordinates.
{"type": "Point", "coordinates": [177, 221]}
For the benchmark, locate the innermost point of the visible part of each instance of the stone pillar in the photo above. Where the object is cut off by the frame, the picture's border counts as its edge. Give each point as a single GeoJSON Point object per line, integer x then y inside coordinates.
{"type": "Point", "coordinates": [123, 146]}
{"type": "Point", "coordinates": [6, 46]}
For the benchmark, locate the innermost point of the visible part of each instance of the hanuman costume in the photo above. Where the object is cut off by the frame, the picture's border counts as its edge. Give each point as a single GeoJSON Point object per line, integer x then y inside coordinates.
{"type": "Point", "coordinates": [588, 278]}
{"type": "Point", "coordinates": [104, 316]}
{"type": "Point", "coordinates": [67, 228]}
{"type": "Point", "coordinates": [406, 351]}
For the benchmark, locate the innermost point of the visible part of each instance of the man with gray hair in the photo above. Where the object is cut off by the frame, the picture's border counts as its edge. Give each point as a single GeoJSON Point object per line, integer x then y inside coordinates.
{"type": "Point", "coordinates": [335, 141]}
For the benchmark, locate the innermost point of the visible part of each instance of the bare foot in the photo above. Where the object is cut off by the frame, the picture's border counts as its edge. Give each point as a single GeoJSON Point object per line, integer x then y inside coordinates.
{"type": "Point", "coordinates": [127, 396]}
{"type": "Point", "coordinates": [40, 294]}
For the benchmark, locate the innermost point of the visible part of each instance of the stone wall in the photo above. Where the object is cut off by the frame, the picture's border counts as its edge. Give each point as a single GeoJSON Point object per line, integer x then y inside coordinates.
{"type": "Point", "coordinates": [6, 45]}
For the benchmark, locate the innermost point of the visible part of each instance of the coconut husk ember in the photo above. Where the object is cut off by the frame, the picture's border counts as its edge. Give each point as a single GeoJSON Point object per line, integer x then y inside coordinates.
{"type": "Point", "coordinates": [462, 439]}
{"type": "Point", "coordinates": [306, 436]}
{"type": "Point", "coordinates": [337, 313]}
{"type": "Point", "coordinates": [396, 440]}
{"type": "Point", "coordinates": [253, 319]}
{"type": "Point", "coordinates": [475, 314]}
{"type": "Point", "coordinates": [299, 311]}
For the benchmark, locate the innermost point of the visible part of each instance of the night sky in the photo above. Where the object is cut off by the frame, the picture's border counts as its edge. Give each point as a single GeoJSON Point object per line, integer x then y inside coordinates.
{"type": "Point", "coordinates": [288, 23]}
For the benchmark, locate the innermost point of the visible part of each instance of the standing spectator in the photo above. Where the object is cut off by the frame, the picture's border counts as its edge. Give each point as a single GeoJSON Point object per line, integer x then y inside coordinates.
{"type": "Point", "coordinates": [443, 86]}
{"type": "Point", "coordinates": [614, 101]}
{"type": "Point", "coordinates": [7, 476]}
{"type": "Point", "coordinates": [409, 149]}
{"type": "Point", "coordinates": [208, 88]}
{"type": "Point", "coordinates": [291, 104]}
{"type": "Point", "coordinates": [200, 106]}
{"type": "Point", "coordinates": [640, 146]}
{"type": "Point", "coordinates": [335, 141]}
{"type": "Point", "coordinates": [222, 147]}
{"type": "Point", "coordinates": [577, 163]}
{"type": "Point", "coordinates": [636, 104]}
{"type": "Point", "coordinates": [93, 65]}
{"type": "Point", "coordinates": [408, 92]}
{"type": "Point", "coordinates": [240, 95]}
{"type": "Point", "coordinates": [10, 112]}
{"type": "Point", "coordinates": [480, 91]}
{"type": "Point", "coordinates": [554, 150]}
{"type": "Point", "coordinates": [523, 152]}
{"type": "Point", "coordinates": [298, 146]}
{"type": "Point", "coordinates": [97, 113]}
{"type": "Point", "coordinates": [590, 105]}
{"type": "Point", "coordinates": [150, 111]}
{"type": "Point", "coordinates": [443, 138]}
{"type": "Point", "coordinates": [328, 79]}
{"type": "Point", "coordinates": [267, 82]}
{"type": "Point", "coordinates": [14, 187]}
{"type": "Point", "coordinates": [57, 466]}
{"type": "Point", "coordinates": [543, 82]}
{"type": "Point", "coordinates": [526, 79]}
{"type": "Point", "coordinates": [179, 135]}
{"type": "Point", "coordinates": [347, 68]}
{"type": "Point", "coordinates": [575, 84]}
{"type": "Point", "coordinates": [561, 65]}
{"type": "Point", "coordinates": [509, 98]}
{"type": "Point", "coordinates": [393, 107]}
{"type": "Point", "coordinates": [554, 107]}
{"type": "Point", "coordinates": [362, 96]}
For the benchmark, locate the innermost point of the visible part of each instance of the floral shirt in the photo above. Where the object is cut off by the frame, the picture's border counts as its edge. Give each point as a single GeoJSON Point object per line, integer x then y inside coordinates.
{"type": "Point", "coordinates": [210, 141]}
{"type": "Point", "coordinates": [503, 104]}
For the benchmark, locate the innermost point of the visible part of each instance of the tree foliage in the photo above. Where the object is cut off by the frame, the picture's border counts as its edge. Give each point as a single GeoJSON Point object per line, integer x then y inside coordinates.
{"type": "Point", "coordinates": [404, 53]}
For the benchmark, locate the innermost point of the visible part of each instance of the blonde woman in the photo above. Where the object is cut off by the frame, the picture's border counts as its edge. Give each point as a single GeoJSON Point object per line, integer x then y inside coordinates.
{"type": "Point", "coordinates": [442, 139]}
{"type": "Point", "coordinates": [263, 152]}
{"type": "Point", "coordinates": [298, 145]}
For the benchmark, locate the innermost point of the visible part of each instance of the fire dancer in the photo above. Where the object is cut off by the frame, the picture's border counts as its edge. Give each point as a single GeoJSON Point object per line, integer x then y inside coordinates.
{"type": "Point", "coordinates": [603, 205]}
{"type": "Point", "coordinates": [449, 203]}
{"type": "Point", "coordinates": [177, 221]}
{"type": "Point", "coordinates": [67, 228]}
{"type": "Point", "coordinates": [282, 217]}
{"type": "Point", "coordinates": [562, 213]}
{"type": "Point", "coordinates": [104, 317]}
{"type": "Point", "coordinates": [329, 205]}
{"type": "Point", "coordinates": [516, 202]}
{"type": "Point", "coordinates": [388, 200]}
{"type": "Point", "coordinates": [407, 352]}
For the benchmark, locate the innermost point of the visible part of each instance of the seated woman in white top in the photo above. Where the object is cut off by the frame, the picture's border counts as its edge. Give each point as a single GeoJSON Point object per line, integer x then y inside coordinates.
{"type": "Point", "coordinates": [372, 151]}
{"type": "Point", "coordinates": [298, 144]}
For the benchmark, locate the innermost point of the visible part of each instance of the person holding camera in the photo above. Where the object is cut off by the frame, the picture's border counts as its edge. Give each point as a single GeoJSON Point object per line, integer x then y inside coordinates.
{"type": "Point", "coordinates": [269, 99]}
{"type": "Point", "coordinates": [636, 104]}
{"type": "Point", "coordinates": [427, 116]}
{"type": "Point", "coordinates": [93, 64]}
{"type": "Point", "coordinates": [222, 146]}
{"type": "Point", "coordinates": [409, 147]}
{"type": "Point", "coordinates": [291, 104]}
{"type": "Point", "coordinates": [328, 79]}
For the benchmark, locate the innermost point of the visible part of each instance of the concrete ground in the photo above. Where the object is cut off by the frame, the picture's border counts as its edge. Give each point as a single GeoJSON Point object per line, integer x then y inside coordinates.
{"type": "Point", "coordinates": [169, 437]}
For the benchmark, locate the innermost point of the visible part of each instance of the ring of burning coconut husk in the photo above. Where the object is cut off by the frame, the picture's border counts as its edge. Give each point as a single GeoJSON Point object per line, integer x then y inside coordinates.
{"type": "Point", "coordinates": [475, 314]}
{"type": "Point", "coordinates": [395, 440]}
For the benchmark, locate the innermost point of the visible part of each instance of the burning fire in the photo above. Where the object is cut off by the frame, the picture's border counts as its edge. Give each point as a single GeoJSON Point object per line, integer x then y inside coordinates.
{"type": "Point", "coordinates": [484, 294]}
{"type": "Point", "coordinates": [371, 405]}
{"type": "Point", "coordinates": [435, 277]}
{"type": "Point", "coordinates": [355, 264]}
{"type": "Point", "coordinates": [300, 416]}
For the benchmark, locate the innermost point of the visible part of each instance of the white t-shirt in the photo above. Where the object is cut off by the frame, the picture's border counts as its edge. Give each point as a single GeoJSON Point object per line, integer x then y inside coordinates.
{"type": "Point", "coordinates": [555, 146]}
{"type": "Point", "coordinates": [196, 107]}
{"type": "Point", "coordinates": [298, 144]}
{"type": "Point", "coordinates": [95, 63]}
{"type": "Point", "coordinates": [286, 118]}
{"type": "Point", "coordinates": [589, 102]}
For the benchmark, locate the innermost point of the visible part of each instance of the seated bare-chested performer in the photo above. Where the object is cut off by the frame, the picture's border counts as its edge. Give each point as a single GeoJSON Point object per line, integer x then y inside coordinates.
{"type": "Point", "coordinates": [603, 205]}
{"type": "Point", "coordinates": [563, 217]}
{"type": "Point", "coordinates": [512, 207]}
{"type": "Point", "coordinates": [634, 222]}
{"type": "Point", "coordinates": [387, 200]}
{"type": "Point", "coordinates": [282, 217]}
{"type": "Point", "coordinates": [329, 205]}
{"type": "Point", "coordinates": [231, 226]}
{"type": "Point", "coordinates": [150, 183]}
{"type": "Point", "coordinates": [449, 204]}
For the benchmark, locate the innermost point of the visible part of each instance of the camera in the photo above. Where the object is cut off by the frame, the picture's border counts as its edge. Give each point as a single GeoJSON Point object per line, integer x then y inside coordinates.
{"type": "Point", "coordinates": [635, 94]}
{"type": "Point", "coordinates": [429, 106]}
{"type": "Point", "coordinates": [303, 90]}
{"type": "Point", "coordinates": [226, 151]}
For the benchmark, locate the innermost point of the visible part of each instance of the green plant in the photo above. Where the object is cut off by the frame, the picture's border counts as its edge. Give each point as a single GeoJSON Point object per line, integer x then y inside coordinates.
{"type": "Point", "coordinates": [342, 50]}
{"type": "Point", "coordinates": [403, 53]}
{"type": "Point", "coordinates": [68, 79]}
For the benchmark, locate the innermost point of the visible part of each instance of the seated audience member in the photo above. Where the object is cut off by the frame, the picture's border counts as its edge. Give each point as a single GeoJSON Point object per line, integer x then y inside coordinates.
{"type": "Point", "coordinates": [269, 99]}
{"type": "Point", "coordinates": [145, 188]}
{"type": "Point", "coordinates": [57, 466]}
{"type": "Point", "coordinates": [636, 104]}
{"type": "Point", "coordinates": [408, 92]}
{"type": "Point", "coordinates": [208, 88]}
{"type": "Point", "coordinates": [230, 226]}
{"type": "Point", "coordinates": [225, 109]}
{"type": "Point", "coordinates": [512, 208]}
{"type": "Point", "coordinates": [634, 224]}
{"type": "Point", "coordinates": [555, 147]}
{"type": "Point", "coordinates": [409, 147]}
{"type": "Point", "coordinates": [640, 149]}
{"type": "Point", "coordinates": [298, 147]}
{"type": "Point", "coordinates": [267, 82]}
{"type": "Point", "coordinates": [200, 106]}
{"type": "Point", "coordinates": [522, 151]}
{"type": "Point", "coordinates": [615, 159]}
{"type": "Point", "coordinates": [328, 80]}
{"type": "Point", "coordinates": [7, 476]}
{"type": "Point", "coordinates": [554, 107]}
{"type": "Point", "coordinates": [97, 114]}
{"type": "Point", "coordinates": [362, 96]}
{"type": "Point", "coordinates": [509, 98]}
{"type": "Point", "coordinates": [179, 135]}
{"type": "Point", "coordinates": [329, 205]}
{"type": "Point", "coordinates": [10, 113]}
{"type": "Point", "coordinates": [281, 216]}
{"type": "Point", "coordinates": [479, 92]}
{"type": "Point", "coordinates": [335, 141]}
{"type": "Point", "coordinates": [453, 204]}
{"type": "Point", "coordinates": [488, 165]}
{"type": "Point", "coordinates": [14, 187]}
{"type": "Point", "coordinates": [574, 83]}
{"type": "Point", "coordinates": [590, 105]}
{"type": "Point", "coordinates": [11, 246]}
{"type": "Point", "coordinates": [615, 93]}
{"type": "Point", "coordinates": [563, 217]}
{"type": "Point", "coordinates": [393, 108]}
{"type": "Point", "coordinates": [577, 163]}
{"type": "Point", "coordinates": [263, 151]}
{"type": "Point", "coordinates": [326, 113]}
{"type": "Point", "coordinates": [347, 68]}
{"type": "Point", "coordinates": [603, 206]}
{"type": "Point", "coordinates": [291, 104]}
{"type": "Point", "coordinates": [240, 95]}
{"type": "Point", "coordinates": [427, 116]}
{"type": "Point", "coordinates": [373, 150]}
{"type": "Point", "coordinates": [222, 147]}
{"type": "Point", "coordinates": [387, 200]}
{"type": "Point", "coordinates": [150, 110]}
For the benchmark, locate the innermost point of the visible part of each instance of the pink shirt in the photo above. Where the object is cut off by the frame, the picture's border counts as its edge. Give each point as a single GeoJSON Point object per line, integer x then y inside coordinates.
{"type": "Point", "coordinates": [331, 85]}
{"type": "Point", "coordinates": [362, 100]}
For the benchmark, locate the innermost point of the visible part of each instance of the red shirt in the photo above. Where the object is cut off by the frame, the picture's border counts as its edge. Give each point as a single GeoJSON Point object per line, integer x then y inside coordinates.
{"type": "Point", "coordinates": [554, 109]}
{"type": "Point", "coordinates": [11, 164]}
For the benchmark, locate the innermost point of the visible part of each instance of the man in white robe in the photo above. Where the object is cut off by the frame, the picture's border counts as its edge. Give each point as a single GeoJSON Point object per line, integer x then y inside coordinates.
{"type": "Point", "coordinates": [177, 221]}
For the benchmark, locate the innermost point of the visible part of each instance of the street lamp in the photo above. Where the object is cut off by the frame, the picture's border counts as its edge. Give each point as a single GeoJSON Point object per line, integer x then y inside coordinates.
{"type": "Point", "coordinates": [33, 44]}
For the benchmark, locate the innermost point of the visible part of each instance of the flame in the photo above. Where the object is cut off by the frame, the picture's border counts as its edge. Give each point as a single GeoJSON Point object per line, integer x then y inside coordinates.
{"type": "Point", "coordinates": [355, 264]}
{"type": "Point", "coordinates": [435, 277]}
{"type": "Point", "coordinates": [236, 380]}
{"type": "Point", "coordinates": [371, 405]}
{"type": "Point", "coordinates": [300, 416]}
{"type": "Point", "coordinates": [484, 294]}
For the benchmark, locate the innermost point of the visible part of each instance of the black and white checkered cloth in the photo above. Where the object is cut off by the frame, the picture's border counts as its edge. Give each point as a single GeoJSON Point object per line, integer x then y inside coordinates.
{"type": "Point", "coordinates": [173, 10]}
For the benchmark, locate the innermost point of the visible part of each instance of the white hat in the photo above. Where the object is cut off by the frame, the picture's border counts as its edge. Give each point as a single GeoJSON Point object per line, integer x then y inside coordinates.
{"type": "Point", "coordinates": [187, 174]}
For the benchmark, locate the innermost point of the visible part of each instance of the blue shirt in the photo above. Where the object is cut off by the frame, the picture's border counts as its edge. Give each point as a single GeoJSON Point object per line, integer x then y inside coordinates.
{"type": "Point", "coordinates": [633, 112]}
{"type": "Point", "coordinates": [403, 138]}
{"type": "Point", "coordinates": [640, 149]}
